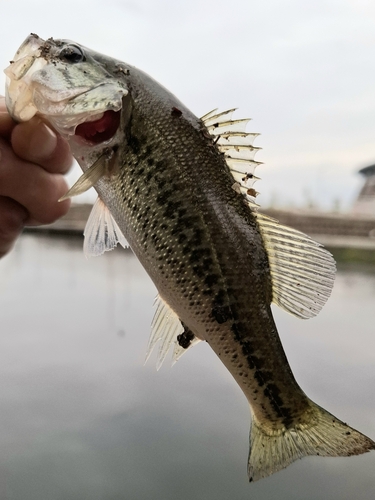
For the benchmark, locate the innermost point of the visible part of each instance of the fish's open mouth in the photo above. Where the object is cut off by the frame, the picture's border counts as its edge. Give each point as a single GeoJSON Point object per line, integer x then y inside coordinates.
{"type": "Point", "coordinates": [100, 130]}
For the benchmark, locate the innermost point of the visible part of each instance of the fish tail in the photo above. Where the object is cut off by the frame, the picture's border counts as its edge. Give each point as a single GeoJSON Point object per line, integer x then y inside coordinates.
{"type": "Point", "coordinates": [322, 434]}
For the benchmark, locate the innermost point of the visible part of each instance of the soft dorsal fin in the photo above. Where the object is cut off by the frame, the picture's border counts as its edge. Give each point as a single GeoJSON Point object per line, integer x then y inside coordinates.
{"type": "Point", "coordinates": [101, 232]}
{"type": "Point", "coordinates": [166, 327]}
{"type": "Point", "coordinates": [232, 139]}
{"type": "Point", "coordinates": [302, 271]}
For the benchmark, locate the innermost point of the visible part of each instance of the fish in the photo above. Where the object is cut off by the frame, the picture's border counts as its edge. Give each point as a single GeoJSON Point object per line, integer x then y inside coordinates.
{"type": "Point", "coordinates": [178, 190]}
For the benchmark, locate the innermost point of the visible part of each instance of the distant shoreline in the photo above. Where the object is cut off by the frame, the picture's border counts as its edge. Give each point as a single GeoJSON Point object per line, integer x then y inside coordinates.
{"type": "Point", "coordinates": [350, 237]}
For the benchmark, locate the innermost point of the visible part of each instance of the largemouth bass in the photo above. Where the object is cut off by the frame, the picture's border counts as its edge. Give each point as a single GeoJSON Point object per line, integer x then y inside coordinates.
{"type": "Point", "coordinates": [179, 191]}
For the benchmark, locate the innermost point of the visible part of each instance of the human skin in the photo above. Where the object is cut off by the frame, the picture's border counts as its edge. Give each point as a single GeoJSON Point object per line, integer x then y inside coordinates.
{"type": "Point", "coordinates": [33, 160]}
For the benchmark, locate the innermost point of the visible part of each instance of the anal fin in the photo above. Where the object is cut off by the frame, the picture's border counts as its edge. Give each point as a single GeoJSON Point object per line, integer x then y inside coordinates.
{"type": "Point", "coordinates": [88, 179]}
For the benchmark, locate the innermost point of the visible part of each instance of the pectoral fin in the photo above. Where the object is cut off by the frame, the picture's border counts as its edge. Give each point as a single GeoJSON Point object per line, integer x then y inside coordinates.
{"type": "Point", "coordinates": [88, 179]}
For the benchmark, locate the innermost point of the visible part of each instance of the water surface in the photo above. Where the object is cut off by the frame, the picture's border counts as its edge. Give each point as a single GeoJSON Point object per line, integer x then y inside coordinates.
{"type": "Point", "coordinates": [82, 418]}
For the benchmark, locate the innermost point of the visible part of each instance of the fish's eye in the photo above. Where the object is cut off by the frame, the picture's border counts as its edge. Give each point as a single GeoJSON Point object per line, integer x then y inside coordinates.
{"type": "Point", "coordinates": [72, 54]}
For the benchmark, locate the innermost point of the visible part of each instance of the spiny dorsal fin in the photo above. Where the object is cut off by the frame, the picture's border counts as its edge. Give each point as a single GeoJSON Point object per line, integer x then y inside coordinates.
{"type": "Point", "coordinates": [101, 232]}
{"type": "Point", "coordinates": [237, 146]}
{"type": "Point", "coordinates": [302, 271]}
{"type": "Point", "coordinates": [166, 327]}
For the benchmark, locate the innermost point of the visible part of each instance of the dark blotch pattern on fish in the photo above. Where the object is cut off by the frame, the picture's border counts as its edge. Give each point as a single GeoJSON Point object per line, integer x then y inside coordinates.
{"type": "Point", "coordinates": [272, 392]}
{"type": "Point", "coordinates": [262, 376]}
{"type": "Point", "coordinates": [134, 144]}
{"type": "Point", "coordinates": [221, 313]}
{"type": "Point", "coordinates": [176, 112]}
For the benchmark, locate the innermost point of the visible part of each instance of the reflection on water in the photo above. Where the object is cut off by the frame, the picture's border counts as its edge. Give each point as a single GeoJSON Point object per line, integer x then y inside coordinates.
{"type": "Point", "coordinates": [82, 418]}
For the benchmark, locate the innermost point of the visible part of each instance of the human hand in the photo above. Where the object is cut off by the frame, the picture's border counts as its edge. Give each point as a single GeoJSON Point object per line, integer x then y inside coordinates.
{"type": "Point", "coordinates": [33, 159]}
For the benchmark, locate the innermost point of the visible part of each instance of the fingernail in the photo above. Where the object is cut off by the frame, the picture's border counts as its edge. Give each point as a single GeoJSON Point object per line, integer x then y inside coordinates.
{"type": "Point", "coordinates": [43, 142]}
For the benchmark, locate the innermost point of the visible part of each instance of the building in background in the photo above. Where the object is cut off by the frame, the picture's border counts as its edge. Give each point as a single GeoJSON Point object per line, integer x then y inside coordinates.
{"type": "Point", "coordinates": [365, 203]}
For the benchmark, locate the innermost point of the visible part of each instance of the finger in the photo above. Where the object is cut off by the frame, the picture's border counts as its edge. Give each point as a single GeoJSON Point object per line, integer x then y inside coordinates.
{"type": "Point", "coordinates": [12, 219]}
{"type": "Point", "coordinates": [32, 187]}
{"type": "Point", "coordinates": [36, 142]}
{"type": "Point", "coordinates": [7, 124]}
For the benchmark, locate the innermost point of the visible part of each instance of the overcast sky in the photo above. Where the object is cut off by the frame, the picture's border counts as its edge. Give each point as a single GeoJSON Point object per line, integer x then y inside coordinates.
{"type": "Point", "coordinates": [303, 71]}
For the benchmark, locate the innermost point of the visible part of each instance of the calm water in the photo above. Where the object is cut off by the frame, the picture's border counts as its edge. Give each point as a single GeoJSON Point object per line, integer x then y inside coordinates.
{"type": "Point", "coordinates": [82, 418]}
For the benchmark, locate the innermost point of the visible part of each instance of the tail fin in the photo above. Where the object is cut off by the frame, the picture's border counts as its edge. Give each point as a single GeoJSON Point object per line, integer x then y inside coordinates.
{"type": "Point", "coordinates": [324, 435]}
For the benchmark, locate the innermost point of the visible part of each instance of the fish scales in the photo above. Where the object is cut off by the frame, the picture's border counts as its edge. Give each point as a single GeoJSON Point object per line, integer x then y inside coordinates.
{"type": "Point", "coordinates": [176, 187]}
{"type": "Point", "coordinates": [190, 241]}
